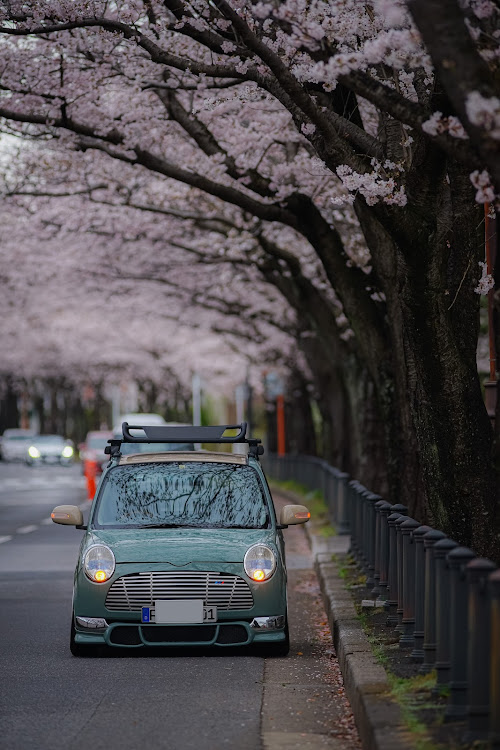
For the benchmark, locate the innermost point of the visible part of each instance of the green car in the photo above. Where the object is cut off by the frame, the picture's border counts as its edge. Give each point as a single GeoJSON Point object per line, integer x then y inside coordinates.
{"type": "Point", "coordinates": [181, 548]}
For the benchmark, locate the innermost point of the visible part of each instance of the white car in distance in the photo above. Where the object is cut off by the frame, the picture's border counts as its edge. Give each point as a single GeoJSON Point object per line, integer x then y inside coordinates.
{"type": "Point", "coordinates": [15, 443]}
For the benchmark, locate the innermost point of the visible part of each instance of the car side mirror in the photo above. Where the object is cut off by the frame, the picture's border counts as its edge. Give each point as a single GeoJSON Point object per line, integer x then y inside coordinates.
{"type": "Point", "coordinates": [69, 515]}
{"type": "Point", "coordinates": [294, 514]}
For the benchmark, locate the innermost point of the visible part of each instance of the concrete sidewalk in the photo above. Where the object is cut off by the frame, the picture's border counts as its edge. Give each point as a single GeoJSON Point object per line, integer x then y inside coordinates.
{"type": "Point", "coordinates": [377, 716]}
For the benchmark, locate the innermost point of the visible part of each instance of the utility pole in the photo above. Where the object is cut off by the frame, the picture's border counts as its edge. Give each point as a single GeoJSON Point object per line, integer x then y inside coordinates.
{"type": "Point", "coordinates": [196, 390]}
{"type": "Point", "coordinates": [490, 240]}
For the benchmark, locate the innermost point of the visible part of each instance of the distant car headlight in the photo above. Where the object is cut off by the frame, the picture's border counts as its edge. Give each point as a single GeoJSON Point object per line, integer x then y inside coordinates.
{"type": "Point", "coordinates": [99, 563]}
{"type": "Point", "coordinates": [67, 451]}
{"type": "Point", "coordinates": [33, 452]}
{"type": "Point", "coordinates": [259, 562]}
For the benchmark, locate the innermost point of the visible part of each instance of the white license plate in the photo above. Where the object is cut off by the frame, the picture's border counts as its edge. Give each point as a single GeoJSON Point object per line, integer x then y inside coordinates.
{"type": "Point", "coordinates": [183, 611]}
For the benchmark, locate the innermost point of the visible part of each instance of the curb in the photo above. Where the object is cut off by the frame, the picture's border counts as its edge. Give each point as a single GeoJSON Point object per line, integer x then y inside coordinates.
{"type": "Point", "coordinates": [378, 718]}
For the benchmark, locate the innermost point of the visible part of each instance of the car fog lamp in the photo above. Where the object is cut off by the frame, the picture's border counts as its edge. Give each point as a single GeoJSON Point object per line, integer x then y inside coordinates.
{"type": "Point", "coordinates": [67, 451]}
{"type": "Point", "coordinates": [99, 563]}
{"type": "Point", "coordinates": [33, 452]}
{"type": "Point", "coordinates": [259, 562]}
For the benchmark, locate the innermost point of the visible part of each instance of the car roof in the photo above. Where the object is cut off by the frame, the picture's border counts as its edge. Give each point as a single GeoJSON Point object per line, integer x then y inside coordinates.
{"type": "Point", "coordinates": [176, 456]}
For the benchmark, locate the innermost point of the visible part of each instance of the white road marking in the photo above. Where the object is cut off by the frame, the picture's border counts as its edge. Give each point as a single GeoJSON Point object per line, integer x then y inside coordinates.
{"type": "Point", "coordinates": [41, 483]}
{"type": "Point", "coordinates": [26, 529]}
{"type": "Point", "coordinates": [39, 558]}
{"type": "Point", "coordinates": [5, 539]}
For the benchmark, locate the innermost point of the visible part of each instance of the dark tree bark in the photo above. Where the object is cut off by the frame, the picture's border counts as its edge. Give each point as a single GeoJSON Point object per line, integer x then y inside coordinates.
{"type": "Point", "coordinates": [9, 412]}
{"type": "Point", "coordinates": [299, 424]}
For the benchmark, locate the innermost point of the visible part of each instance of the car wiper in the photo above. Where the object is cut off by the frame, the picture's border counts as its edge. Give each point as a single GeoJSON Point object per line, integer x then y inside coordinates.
{"type": "Point", "coordinates": [161, 526]}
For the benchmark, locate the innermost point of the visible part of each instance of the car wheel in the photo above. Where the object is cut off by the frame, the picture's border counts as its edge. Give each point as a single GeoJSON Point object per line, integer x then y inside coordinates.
{"type": "Point", "coordinates": [280, 648]}
{"type": "Point", "coordinates": [77, 649]}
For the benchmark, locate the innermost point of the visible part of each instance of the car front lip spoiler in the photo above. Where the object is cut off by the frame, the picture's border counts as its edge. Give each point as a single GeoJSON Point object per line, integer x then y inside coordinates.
{"type": "Point", "coordinates": [141, 630]}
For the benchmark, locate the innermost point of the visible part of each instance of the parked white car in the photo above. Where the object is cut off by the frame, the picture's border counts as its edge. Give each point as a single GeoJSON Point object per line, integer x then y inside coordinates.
{"type": "Point", "coordinates": [49, 449]}
{"type": "Point", "coordinates": [15, 443]}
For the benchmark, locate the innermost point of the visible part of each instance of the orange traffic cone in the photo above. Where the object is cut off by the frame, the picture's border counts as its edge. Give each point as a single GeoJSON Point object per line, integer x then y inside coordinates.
{"type": "Point", "coordinates": [90, 474]}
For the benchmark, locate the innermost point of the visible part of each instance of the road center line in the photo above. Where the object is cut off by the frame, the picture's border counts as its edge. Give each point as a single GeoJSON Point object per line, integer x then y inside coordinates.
{"type": "Point", "coordinates": [5, 539]}
{"type": "Point", "coordinates": [26, 529]}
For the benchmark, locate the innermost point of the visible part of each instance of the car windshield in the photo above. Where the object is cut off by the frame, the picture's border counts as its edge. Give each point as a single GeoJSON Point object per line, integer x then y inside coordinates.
{"type": "Point", "coordinates": [127, 448]}
{"type": "Point", "coordinates": [49, 439]}
{"type": "Point", "coordinates": [98, 442]}
{"type": "Point", "coordinates": [191, 494]}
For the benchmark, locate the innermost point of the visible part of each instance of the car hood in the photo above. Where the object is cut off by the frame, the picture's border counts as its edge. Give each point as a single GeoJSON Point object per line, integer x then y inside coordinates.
{"type": "Point", "coordinates": [180, 546]}
{"type": "Point", "coordinates": [50, 450]}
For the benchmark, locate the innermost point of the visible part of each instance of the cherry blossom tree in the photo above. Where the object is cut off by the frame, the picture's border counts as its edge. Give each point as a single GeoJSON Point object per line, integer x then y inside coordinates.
{"type": "Point", "coordinates": [304, 115]}
{"type": "Point", "coordinates": [217, 273]}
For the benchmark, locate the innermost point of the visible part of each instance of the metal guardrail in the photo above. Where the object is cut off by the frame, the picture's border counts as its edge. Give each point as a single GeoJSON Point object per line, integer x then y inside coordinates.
{"type": "Point", "coordinates": [442, 600]}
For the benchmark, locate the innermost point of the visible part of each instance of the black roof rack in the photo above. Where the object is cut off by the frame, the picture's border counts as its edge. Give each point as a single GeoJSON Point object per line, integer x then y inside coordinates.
{"type": "Point", "coordinates": [185, 434]}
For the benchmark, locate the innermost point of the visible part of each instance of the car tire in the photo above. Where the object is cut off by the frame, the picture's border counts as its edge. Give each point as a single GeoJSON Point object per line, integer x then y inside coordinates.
{"type": "Point", "coordinates": [77, 649]}
{"type": "Point", "coordinates": [280, 648]}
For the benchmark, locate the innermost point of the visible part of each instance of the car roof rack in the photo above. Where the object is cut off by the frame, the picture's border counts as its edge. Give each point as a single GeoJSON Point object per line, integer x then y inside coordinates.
{"type": "Point", "coordinates": [185, 434]}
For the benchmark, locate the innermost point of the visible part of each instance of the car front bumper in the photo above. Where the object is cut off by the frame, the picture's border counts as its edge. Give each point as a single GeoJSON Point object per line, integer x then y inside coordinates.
{"type": "Point", "coordinates": [221, 633]}
{"type": "Point", "coordinates": [264, 622]}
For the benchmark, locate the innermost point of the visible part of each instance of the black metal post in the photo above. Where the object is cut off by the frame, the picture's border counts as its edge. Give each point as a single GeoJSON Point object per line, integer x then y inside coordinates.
{"type": "Point", "coordinates": [385, 509]}
{"type": "Point", "coordinates": [343, 524]}
{"type": "Point", "coordinates": [477, 572]}
{"type": "Point", "coordinates": [408, 621]}
{"type": "Point", "coordinates": [430, 633]}
{"type": "Point", "coordinates": [391, 603]}
{"type": "Point", "coordinates": [494, 588]}
{"type": "Point", "coordinates": [354, 515]}
{"type": "Point", "coordinates": [372, 499]}
{"type": "Point", "coordinates": [457, 702]}
{"type": "Point", "coordinates": [443, 597]}
{"type": "Point", "coordinates": [398, 630]}
{"type": "Point", "coordinates": [375, 592]}
{"type": "Point", "coordinates": [417, 655]}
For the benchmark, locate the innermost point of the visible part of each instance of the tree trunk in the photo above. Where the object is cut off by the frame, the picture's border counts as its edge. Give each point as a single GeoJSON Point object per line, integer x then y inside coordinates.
{"type": "Point", "coordinates": [9, 413]}
{"type": "Point", "coordinates": [428, 273]}
{"type": "Point", "coordinates": [440, 315]}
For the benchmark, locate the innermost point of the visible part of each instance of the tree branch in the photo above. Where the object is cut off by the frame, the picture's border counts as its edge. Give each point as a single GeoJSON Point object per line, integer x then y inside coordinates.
{"type": "Point", "coordinates": [208, 144]}
{"type": "Point", "coordinates": [408, 112]}
{"type": "Point", "coordinates": [461, 69]}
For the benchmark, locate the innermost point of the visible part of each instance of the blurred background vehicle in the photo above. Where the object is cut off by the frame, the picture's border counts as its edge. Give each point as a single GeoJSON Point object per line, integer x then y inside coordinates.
{"type": "Point", "coordinates": [14, 444]}
{"type": "Point", "coordinates": [49, 449]}
{"type": "Point", "coordinates": [148, 419]}
{"type": "Point", "coordinates": [93, 457]}
{"type": "Point", "coordinates": [92, 450]}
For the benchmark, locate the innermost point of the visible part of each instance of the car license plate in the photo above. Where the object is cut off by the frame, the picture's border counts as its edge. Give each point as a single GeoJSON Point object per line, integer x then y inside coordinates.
{"type": "Point", "coordinates": [181, 611]}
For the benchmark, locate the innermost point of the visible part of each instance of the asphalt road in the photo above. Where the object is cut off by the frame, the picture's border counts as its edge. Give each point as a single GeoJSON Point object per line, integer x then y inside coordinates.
{"type": "Point", "coordinates": [51, 700]}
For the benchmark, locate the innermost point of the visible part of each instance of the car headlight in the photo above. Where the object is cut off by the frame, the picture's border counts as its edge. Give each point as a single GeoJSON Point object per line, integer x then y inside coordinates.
{"type": "Point", "coordinates": [259, 562]}
{"type": "Point", "coordinates": [99, 563]}
{"type": "Point", "coordinates": [67, 451]}
{"type": "Point", "coordinates": [33, 452]}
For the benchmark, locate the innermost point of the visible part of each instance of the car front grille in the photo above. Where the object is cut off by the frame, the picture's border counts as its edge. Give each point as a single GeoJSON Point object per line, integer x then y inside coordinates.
{"type": "Point", "coordinates": [226, 592]}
